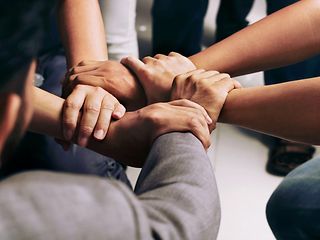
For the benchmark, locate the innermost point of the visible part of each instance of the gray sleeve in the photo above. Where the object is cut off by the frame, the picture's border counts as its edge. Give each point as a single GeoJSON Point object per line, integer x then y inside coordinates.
{"type": "Point", "coordinates": [176, 199]}
{"type": "Point", "coordinates": [178, 189]}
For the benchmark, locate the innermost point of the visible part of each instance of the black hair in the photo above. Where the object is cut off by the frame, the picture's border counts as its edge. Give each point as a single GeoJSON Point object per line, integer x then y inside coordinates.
{"type": "Point", "coordinates": [22, 26]}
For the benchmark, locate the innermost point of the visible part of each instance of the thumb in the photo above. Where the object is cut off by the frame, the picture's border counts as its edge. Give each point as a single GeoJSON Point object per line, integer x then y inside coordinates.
{"type": "Point", "coordinates": [134, 64]}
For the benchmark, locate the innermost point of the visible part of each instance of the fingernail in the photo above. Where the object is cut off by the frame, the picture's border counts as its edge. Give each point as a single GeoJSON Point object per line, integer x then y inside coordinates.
{"type": "Point", "coordinates": [83, 141]}
{"type": "Point", "coordinates": [67, 134]}
{"type": "Point", "coordinates": [99, 134]}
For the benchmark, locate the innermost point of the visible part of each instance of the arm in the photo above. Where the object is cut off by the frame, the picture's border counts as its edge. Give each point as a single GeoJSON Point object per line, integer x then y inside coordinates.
{"type": "Point", "coordinates": [289, 110]}
{"type": "Point", "coordinates": [285, 37]}
{"type": "Point", "coordinates": [82, 30]}
{"type": "Point", "coordinates": [129, 139]}
{"type": "Point", "coordinates": [178, 204]}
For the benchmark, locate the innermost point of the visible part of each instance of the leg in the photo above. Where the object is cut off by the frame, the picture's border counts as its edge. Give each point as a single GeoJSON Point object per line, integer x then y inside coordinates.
{"type": "Point", "coordinates": [119, 20]}
{"type": "Point", "coordinates": [293, 210]}
{"type": "Point", "coordinates": [178, 25]}
{"type": "Point", "coordinates": [231, 17]}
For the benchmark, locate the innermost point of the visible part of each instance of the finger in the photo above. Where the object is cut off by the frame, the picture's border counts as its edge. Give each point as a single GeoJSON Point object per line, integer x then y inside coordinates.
{"type": "Point", "coordinates": [201, 132]}
{"type": "Point", "coordinates": [189, 74]}
{"type": "Point", "coordinates": [184, 119]}
{"type": "Point", "coordinates": [226, 84]}
{"type": "Point", "coordinates": [96, 81]}
{"type": "Point", "coordinates": [197, 124]}
{"type": "Point", "coordinates": [175, 54]}
{"type": "Point", "coordinates": [181, 82]}
{"type": "Point", "coordinates": [84, 68]}
{"type": "Point", "coordinates": [207, 74]}
{"type": "Point", "coordinates": [187, 103]}
{"type": "Point", "coordinates": [219, 77]}
{"type": "Point", "coordinates": [103, 123]}
{"type": "Point", "coordinates": [237, 84]}
{"type": "Point", "coordinates": [69, 84]}
{"type": "Point", "coordinates": [89, 62]}
{"type": "Point", "coordinates": [71, 110]}
{"type": "Point", "coordinates": [91, 111]}
{"type": "Point", "coordinates": [93, 73]}
{"type": "Point", "coordinates": [148, 60]}
{"type": "Point", "coordinates": [119, 111]}
{"type": "Point", "coordinates": [160, 56]}
{"type": "Point", "coordinates": [134, 64]}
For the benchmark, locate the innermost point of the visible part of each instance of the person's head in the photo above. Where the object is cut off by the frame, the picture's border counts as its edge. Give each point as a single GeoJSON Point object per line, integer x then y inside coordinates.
{"type": "Point", "coordinates": [22, 25]}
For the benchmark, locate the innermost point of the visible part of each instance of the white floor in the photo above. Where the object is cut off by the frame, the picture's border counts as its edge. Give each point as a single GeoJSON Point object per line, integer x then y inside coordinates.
{"type": "Point", "coordinates": [239, 156]}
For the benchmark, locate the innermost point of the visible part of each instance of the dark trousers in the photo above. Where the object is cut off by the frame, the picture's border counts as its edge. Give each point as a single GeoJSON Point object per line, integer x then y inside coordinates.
{"type": "Point", "coordinates": [293, 210]}
{"type": "Point", "coordinates": [42, 152]}
{"type": "Point", "coordinates": [178, 26]}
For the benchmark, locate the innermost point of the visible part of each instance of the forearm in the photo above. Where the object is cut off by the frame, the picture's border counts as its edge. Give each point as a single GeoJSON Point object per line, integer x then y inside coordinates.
{"type": "Point", "coordinates": [285, 37]}
{"type": "Point", "coordinates": [47, 120]}
{"type": "Point", "coordinates": [289, 110]}
{"type": "Point", "coordinates": [82, 30]}
{"type": "Point", "coordinates": [182, 203]}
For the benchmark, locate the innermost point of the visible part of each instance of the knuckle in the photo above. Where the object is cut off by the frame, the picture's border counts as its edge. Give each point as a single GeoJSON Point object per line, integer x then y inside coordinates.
{"type": "Point", "coordinates": [213, 91]}
{"type": "Point", "coordinates": [194, 122]}
{"type": "Point", "coordinates": [185, 101]}
{"type": "Point", "coordinates": [92, 107]}
{"type": "Point", "coordinates": [214, 72]}
{"type": "Point", "coordinates": [99, 90]}
{"type": "Point", "coordinates": [69, 104]}
{"type": "Point", "coordinates": [225, 75]}
{"type": "Point", "coordinates": [79, 87]}
{"type": "Point", "coordinates": [145, 59]}
{"type": "Point", "coordinates": [107, 106]}
{"type": "Point", "coordinates": [152, 117]}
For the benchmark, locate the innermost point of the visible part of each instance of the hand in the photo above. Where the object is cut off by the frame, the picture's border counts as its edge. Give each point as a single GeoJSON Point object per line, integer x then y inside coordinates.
{"type": "Point", "coordinates": [142, 127]}
{"type": "Point", "coordinates": [111, 76]}
{"type": "Point", "coordinates": [89, 109]}
{"type": "Point", "coordinates": [156, 74]}
{"type": "Point", "coordinates": [207, 88]}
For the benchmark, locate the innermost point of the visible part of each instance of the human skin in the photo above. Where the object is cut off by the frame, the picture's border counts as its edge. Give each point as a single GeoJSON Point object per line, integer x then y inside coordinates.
{"type": "Point", "coordinates": [285, 37]}
{"type": "Point", "coordinates": [83, 41]}
{"type": "Point", "coordinates": [286, 110]}
{"type": "Point", "coordinates": [259, 47]}
{"type": "Point", "coordinates": [130, 138]}
{"type": "Point", "coordinates": [76, 20]}
{"type": "Point", "coordinates": [289, 110]}
{"type": "Point", "coordinates": [16, 109]}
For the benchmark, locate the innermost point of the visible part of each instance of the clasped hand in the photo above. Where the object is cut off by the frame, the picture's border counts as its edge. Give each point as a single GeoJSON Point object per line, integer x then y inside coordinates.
{"type": "Point", "coordinates": [89, 109]}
